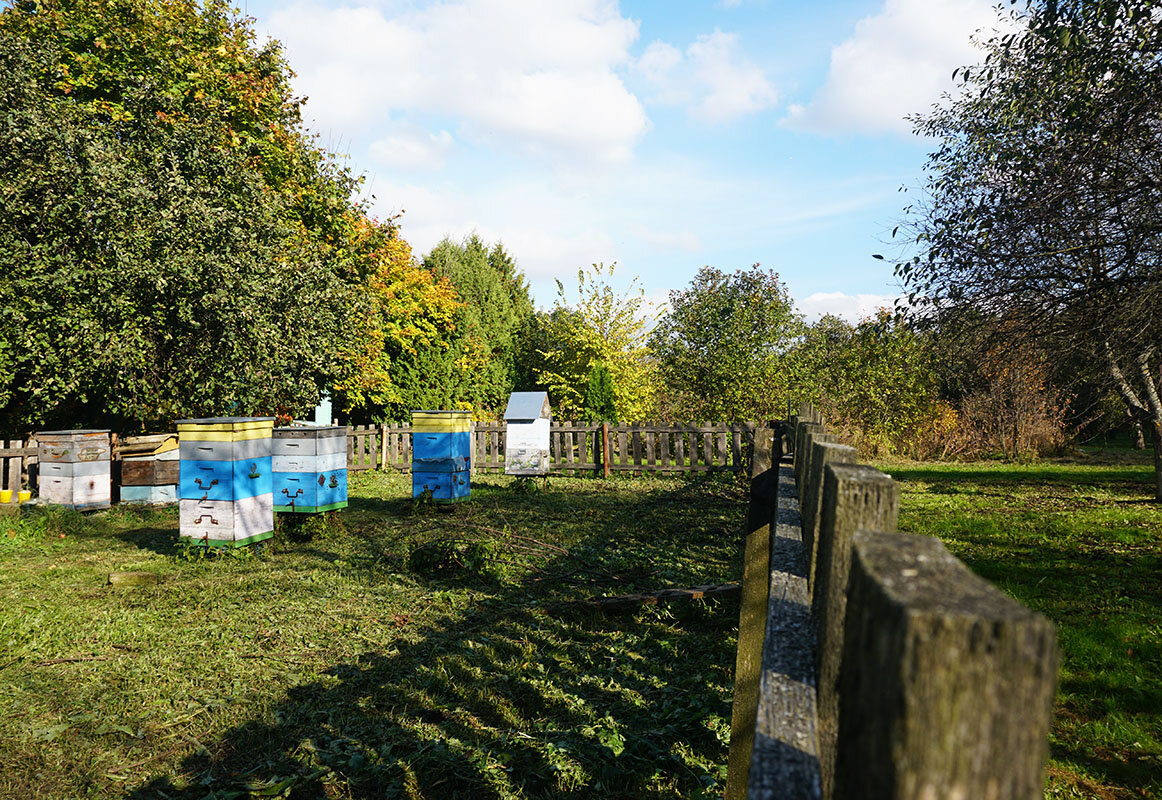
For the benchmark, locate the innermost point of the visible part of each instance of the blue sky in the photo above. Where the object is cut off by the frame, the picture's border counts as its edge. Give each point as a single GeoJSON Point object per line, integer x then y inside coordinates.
{"type": "Point", "coordinates": [660, 135]}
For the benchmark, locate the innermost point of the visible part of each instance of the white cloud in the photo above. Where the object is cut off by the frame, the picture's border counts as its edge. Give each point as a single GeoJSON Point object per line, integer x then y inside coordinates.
{"type": "Point", "coordinates": [410, 147]}
{"type": "Point", "coordinates": [712, 79]}
{"type": "Point", "coordinates": [852, 308]}
{"type": "Point", "coordinates": [542, 75]}
{"type": "Point", "coordinates": [896, 63]}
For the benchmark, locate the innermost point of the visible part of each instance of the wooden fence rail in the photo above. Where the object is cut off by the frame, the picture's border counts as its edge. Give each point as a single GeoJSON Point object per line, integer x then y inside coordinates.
{"type": "Point", "coordinates": [16, 456]}
{"type": "Point", "coordinates": [577, 447]}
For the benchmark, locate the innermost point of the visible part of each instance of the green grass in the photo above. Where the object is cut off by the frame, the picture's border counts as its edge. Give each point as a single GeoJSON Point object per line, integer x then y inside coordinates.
{"type": "Point", "coordinates": [393, 652]}
{"type": "Point", "coordinates": [1081, 542]}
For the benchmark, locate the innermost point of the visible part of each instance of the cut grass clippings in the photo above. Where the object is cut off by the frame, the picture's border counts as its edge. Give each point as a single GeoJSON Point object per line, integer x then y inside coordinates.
{"type": "Point", "coordinates": [387, 651]}
{"type": "Point", "coordinates": [1080, 542]}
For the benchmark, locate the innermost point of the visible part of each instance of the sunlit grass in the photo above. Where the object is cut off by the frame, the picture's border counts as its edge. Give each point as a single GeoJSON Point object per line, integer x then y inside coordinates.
{"type": "Point", "coordinates": [336, 662]}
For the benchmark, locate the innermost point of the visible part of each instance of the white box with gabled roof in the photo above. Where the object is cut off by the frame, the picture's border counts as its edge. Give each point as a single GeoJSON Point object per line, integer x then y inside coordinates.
{"type": "Point", "coordinates": [526, 433]}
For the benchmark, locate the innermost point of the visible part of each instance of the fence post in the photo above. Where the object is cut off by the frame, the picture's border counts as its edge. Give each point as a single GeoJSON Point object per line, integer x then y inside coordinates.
{"type": "Point", "coordinates": [811, 495]}
{"type": "Point", "coordinates": [802, 451]}
{"type": "Point", "coordinates": [855, 497]}
{"type": "Point", "coordinates": [605, 449]}
{"type": "Point", "coordinates": [947, 683]}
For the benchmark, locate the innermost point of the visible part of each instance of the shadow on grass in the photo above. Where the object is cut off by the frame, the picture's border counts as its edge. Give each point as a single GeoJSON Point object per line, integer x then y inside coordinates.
{"type": "Point", "coordinates": [516, 695]}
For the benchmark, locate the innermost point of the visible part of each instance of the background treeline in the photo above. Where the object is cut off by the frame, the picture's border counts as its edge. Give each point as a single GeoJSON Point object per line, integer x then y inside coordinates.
{"type": "Point", "coordinates": [174, 243]}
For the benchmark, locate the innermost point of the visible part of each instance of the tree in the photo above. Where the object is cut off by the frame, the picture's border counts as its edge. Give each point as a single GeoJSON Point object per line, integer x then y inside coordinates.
{"type": "Point", "coordinates": [599, 399]}
{"type": "Point", "coordinates": [876, 379]}
{"type": "Point", "coordinates": [406, 335]}
{"type": "Point", "coordinates": [173, 244]}
{"type": "Point", "coordinates": [1043, 202]}
{"type": "Point", "coordinates": [724, 345]}
{"type": "Point", "coordinates": [602, 327]}
{"type": "Point", "coordinates": [496, 308]}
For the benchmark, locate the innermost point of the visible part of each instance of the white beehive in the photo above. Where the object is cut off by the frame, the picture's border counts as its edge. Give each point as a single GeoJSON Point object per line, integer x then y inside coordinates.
{"type": "Point", "coordinates": [526, 433]}
{"type": "Point", "coordinates": [75, 468]}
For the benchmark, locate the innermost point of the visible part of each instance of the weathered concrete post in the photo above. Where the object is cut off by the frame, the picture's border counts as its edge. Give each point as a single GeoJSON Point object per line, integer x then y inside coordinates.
{"type": "Point", "coordinates": [802, 450]}
{"type": "Point", "coordinates": [824, 450]}
{"type": "Point", "coordinates": [854, 497]}
{"type": "Point", "coordinates": [946, 687]}
{"type": "Point", "coordinates": [790, 431]}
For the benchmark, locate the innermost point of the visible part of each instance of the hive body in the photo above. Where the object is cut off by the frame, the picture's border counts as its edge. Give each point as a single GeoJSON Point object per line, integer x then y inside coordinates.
{"type": "Point", "coordinates": [149, 469]}
{"type": "Point", "coordinates": [225, 484]}
{"type": "Point", "coordinates": [75, 468]}
{"type": "Point", "coordinates": [310, 469]}
{"type": "Point", "coordinates": [442, 454]}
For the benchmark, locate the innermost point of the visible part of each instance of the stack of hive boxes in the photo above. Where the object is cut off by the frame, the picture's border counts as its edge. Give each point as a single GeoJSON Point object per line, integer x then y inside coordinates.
{"type": "Point", "coordinates": [149, 469]}
{"type": "Point", "coordinates": [310, 469]}
{"type": "Point", "coordinates": [225, 480]}
{"type": "Point", "coordinates": [75, 468]}
{"type": "Point", "coordinates": [441, 454]}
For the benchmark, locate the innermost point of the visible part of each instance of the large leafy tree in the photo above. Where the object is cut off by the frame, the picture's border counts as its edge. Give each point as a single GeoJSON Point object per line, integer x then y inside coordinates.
{"type": "Point", "coordinates": [602, 330]}
{"type": "Point", "coordinates": [408, 332]}
{"type": "Point", "coordinates": [724, 346]}
{"type": "Point", "coordinates": [1043, 205]}
{"type": "Point", "coordinates": [875, 378]}
{"type": "Point", "coordinates": [172, 242]}
{"type": "Point", "coordinates": [496, 309]}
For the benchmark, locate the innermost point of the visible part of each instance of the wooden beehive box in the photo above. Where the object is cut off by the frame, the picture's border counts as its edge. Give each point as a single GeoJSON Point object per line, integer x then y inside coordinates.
{"type": "Point", "coordinates": [224, 480]}
{"type": "Point", "coordinates": [442, 454]}
{"type": "Point", "coordinates": [310, 469]}
{"type": "Point", "coordinates": [75, 468]}
{"type": "Point", "coordinates": [149, 469]}
{"type": "Point", "coordinates": [527, 420]}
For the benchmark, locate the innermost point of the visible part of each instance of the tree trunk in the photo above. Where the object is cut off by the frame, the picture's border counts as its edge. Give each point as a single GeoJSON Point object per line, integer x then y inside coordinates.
{"type": "Point", "coordinates": [1156, 429]}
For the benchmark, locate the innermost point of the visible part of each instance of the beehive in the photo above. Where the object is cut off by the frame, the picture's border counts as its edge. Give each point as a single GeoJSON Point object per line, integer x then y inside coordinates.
{"type": "Point", "coordinates": [442, 454]}
{"type": "Point", "coordinates": [149, 469]}
{"type": "Point", "coordinates": [526, 434]}
{"type": "Point", "coordinates": [224, 481]}
{"type": "Point", "coordinates": [310, 469]}
{"type": "Point", "coordinates": [75, 468]}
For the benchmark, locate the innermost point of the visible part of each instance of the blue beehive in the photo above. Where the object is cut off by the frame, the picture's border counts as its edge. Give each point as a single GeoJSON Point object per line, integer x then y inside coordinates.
{"type": "Point", "coordinates": [442, 454]}
{"type": "Point", "coordinates": [224, 482]}
{"type": "Point", "coordinates": [310, 469]}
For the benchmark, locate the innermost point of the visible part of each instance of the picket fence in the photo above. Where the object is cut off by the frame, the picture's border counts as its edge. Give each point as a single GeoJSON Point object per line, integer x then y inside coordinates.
{"type": "Point", "coordinates": [578, 447]}
{"type": "Point", "coordinates": [575, 448]}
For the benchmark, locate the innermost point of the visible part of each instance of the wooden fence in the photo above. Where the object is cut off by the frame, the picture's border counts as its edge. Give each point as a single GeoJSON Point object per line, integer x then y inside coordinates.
{"type": "Point", "coordinates": [574, 449]}
{"type": "Point", "coordinates": [873, 664]}
{"type": "Point", "coordinates": [578, 447]}
{"type": "Point", "coordinates": [16, 456]}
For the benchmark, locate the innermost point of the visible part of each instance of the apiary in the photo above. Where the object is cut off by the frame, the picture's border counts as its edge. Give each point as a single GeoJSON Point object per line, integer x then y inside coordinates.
{"type": "Point", "coordinates": [526, 434]}
{"type": "Point", "coordinates": [442, 454]}
{"type": "Point", "coordinates": [75, 468]}
{"type": "Point", "coordinates": [310, 469]}
{"type": "Point", "coordinates": [224, 480]}
{"type": "Point", "coordinates": [149, 469]}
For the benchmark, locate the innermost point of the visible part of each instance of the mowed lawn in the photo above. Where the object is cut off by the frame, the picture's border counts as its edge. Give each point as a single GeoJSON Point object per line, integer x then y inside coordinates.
{"type": "Point", "coordinates": [1081, 542]}
{"type": "Point", "coordinates": [397, 651]}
